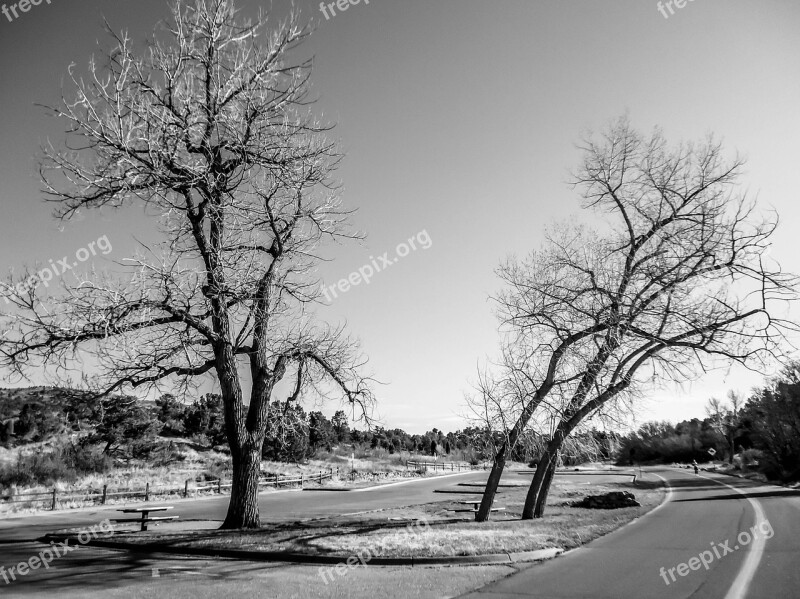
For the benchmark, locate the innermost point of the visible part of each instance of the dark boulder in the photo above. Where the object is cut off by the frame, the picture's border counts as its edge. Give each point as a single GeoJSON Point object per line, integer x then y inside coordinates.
{"type": "Point", "coordinates": [608, 501]}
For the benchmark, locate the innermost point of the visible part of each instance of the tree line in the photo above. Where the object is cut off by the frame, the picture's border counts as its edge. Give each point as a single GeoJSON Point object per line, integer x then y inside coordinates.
{"type": "Point", "coordinates": [124, 428]}
{"type": "Point", "coordinates": [760, 434]}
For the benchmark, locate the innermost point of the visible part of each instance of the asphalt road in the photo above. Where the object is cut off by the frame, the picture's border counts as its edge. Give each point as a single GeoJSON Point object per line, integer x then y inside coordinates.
{"type": "Point", "coordinates": [705, 513]}
{"type": "Point", "coordinates": [708, 518]}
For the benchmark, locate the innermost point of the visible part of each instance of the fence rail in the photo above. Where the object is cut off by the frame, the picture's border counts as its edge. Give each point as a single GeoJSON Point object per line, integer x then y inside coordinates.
{"type": "Point", "coordinates": [53, 497]}
{"type": "Point", "coordinates": [452, 466]}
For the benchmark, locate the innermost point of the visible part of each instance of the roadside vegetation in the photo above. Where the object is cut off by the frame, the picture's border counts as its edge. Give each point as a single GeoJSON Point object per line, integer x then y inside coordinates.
{"type": "Point", "coordinates": [759, 437]}
{"type": "Point", "coordinates": [59, 437]}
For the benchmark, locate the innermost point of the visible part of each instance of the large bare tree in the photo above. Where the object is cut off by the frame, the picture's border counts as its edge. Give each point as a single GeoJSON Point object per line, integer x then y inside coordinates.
{"type": "Point", "coordinates": [211, 130]}
{"type": "Point", "coordinates": [678, 276]}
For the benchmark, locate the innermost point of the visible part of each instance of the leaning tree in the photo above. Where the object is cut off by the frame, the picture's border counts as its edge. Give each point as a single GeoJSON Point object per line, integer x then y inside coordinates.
{"type": "Point", "coordinates": [210, 129]}
{"type": "Point", "coordinates": [678, 277]}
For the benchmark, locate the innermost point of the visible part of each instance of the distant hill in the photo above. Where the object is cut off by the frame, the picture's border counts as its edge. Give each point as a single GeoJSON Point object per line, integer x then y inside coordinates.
{"type": "Point", "coordinates": [12, 400]}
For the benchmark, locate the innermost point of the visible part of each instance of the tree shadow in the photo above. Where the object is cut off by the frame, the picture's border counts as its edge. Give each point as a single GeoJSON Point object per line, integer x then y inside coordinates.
{"type": "Point", "coordinates": [744, 495]}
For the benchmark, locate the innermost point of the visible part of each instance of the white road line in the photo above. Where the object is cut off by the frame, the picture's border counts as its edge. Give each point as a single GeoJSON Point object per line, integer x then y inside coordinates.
{"type": "Point", "coordinates": [755, 550]}
{"type": "Point", "coordinates": [667, 499]}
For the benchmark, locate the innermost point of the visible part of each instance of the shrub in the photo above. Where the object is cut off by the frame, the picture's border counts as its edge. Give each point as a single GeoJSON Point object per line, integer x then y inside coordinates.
{"type": "Point", "coordinates": [63, 464]}
{"type": "Point", "coordinates": [37, 469]}
{"type": "Point", "coordinates": [91, 460]}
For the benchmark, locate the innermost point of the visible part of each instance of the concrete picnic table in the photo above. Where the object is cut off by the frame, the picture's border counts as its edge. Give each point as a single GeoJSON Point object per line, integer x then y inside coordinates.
{"type": "Point", "coordinates": [146, 518]}
{"type": "Point", "coordinates": [475, 503]}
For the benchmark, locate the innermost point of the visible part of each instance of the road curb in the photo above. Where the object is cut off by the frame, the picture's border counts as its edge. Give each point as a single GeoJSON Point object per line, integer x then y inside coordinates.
{"type": "Point", "coordinates": [326, 560]}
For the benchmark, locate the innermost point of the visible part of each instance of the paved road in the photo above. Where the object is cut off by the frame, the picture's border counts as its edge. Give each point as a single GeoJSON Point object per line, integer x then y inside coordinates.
{"type": "Point", "coordinates": [703, 520]}
{"type": "Point", "coordinates": [705, 514]}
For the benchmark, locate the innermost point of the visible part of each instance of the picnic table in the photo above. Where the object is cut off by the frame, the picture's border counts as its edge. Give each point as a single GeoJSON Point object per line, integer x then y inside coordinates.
{"type": "Point", "coordinates": [475, 503]}
{"type": "Point", "coordinates": [146, 518]}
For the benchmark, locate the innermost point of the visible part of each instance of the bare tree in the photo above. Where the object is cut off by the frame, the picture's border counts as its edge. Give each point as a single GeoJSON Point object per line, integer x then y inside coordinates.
{"type": "Point", "coordinates": [724, 418]}
{"type": "Point", "coordinates": [211, 131]}
{"type": "Point", "coordinates": [678, 281]}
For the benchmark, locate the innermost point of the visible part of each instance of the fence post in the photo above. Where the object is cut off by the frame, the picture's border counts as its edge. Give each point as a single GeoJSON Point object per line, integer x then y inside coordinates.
{"type": "Point", "coordinates": [147, 492]}
{"type": "Point", "coordinates": [105, 493]}
{"type": "Point", "coordinates": [276, 480]}
{"type": "Point", "coordinates": [219, 485]}
{"type": "Point", "coordinates": [186, 488]}
{"type": "Point", "coordinates": [54, 498]}
{"type": "Point", "coordinates": [301, 480]}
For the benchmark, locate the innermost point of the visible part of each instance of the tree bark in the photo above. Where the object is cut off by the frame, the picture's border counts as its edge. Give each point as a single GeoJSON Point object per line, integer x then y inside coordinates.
{"type": "Point", "coordinates": [537, 483]}
{"type": "Point", "coordinates": [243, 507]}
{"type": "Point", "coordinates": [541, 500]}
{"type": "Point", "coordinates": [482, 515]}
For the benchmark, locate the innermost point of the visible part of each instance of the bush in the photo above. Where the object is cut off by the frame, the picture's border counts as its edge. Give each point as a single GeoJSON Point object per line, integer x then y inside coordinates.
{"type": "Point", "coordinates": [91, 460]}
{"type": "Point", "coordinates": [749, 460]}
{"type": "Point", "coordinates": [38, 469]}
{"type": "Point", "coordinates": [63, 464]}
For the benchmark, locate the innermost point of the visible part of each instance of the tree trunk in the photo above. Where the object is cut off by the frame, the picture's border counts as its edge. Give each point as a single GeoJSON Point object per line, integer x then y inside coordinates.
{"type": "Point", "coordinates": [243, 507]}
{"type": "Point", "coordinates": [482, 515]}
{"type": "Point", "coordinates": [537, 483]}
{"type": "Point", "coordinates": [541, 501]}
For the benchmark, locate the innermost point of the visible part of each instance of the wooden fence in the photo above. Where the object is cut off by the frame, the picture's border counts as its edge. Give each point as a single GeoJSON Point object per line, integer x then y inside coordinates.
{"type": "Point", "coordinates": [52, 498]}
{"type": "Point", "coordinates": [452, 466]}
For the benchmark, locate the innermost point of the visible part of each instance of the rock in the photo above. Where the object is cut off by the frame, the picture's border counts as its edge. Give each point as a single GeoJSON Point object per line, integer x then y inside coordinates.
{"type": "Point", "coordinates": [609, 501]}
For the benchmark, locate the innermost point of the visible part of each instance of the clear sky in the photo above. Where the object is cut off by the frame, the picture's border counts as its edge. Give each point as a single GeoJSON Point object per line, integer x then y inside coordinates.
{"type": "Point", "coordinates": [459, 119]}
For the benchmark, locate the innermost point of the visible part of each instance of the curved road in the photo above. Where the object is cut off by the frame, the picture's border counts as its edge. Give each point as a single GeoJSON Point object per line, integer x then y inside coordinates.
{"type": "Point", "coordinates": [707, 525]}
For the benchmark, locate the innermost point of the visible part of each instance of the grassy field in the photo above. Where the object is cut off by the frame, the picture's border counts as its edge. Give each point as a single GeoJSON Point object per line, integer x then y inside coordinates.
{"type": "Point", "coordinates": [431, 530]}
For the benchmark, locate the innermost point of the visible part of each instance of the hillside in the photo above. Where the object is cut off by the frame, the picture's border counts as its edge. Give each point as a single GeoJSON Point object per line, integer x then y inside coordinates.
{"type": "Point", "coordinates": [12, 400]}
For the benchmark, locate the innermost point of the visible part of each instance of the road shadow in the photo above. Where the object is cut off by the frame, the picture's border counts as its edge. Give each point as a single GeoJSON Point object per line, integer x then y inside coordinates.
{"type": "Point", "coordinates": [311, 537]}
{"type": "Point", "coordinates": [89, 569]}
{"type": "Point", "coordinates": [743, 495]}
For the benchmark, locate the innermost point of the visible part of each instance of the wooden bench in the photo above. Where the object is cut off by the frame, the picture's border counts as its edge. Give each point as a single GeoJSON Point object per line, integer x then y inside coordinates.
{"type": "Point", "coordinates": [145, 515]}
